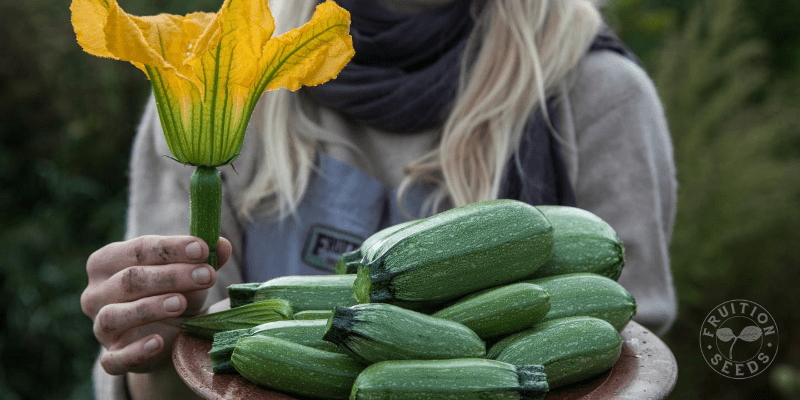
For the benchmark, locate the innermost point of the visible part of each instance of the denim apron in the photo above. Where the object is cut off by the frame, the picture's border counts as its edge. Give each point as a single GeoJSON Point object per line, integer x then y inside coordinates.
{"type": "Point", "coordinates": [342, 206]}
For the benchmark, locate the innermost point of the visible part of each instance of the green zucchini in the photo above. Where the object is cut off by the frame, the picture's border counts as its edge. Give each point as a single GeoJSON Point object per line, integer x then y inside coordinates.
{"type": "Point", "coordinates": [305, 332]}
{"type": "Point", "coordinates": [378, 332]}
{"type": "Point", "coordinates": [287, 366]}
{"type": "Point", "coordinates": [205, 208]}
{"type": "Point", "coordinates": [247, 316]}
{"type": "Point", "coordinates": [589, 295]}
{"type": "Point", "coordinates": [314, 314]}
{"type": "Point", "coordinates": [348, 262]}
{"type": "Point", "coordinates": [454, 253]}
{"type": "Point", "coordinates": [461, 379]}
{"type": "Point", "coordinates": [500, 311]}
{"type": "Point", "coordinates": [582, 242]}
{"type": "Point", "coordinates": [571, 349]}
{"type": "Point", "coordinates": [308, 292]}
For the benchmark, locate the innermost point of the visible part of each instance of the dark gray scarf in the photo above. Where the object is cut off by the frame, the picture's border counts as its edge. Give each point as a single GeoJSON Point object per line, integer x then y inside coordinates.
{"type": "Point", "coordinates": [403, 79]}
{"type": "Point", "coordinates": [404, 74]}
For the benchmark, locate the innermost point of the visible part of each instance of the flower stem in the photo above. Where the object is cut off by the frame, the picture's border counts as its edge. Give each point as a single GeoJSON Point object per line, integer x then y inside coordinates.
{"type": "Point", "coordinates": [205, 198]}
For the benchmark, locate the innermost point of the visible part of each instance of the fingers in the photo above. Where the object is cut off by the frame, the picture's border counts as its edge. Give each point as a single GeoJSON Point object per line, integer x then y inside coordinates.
{"type": "Point", "coordinates": [138, 288]}
{"type": "Point", "coordinates": [114, 320]}
{"type": "Point", "coordinates": [169, 265]}
{"type": "Point", "coordinates": [133, 357]}
{"type": "Point", "coordinates": [145, 250]}
{"type": "Point", "coordinates": [139, 282]}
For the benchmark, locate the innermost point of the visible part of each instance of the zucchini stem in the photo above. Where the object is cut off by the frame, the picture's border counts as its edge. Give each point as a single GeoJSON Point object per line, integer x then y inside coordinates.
{"type": "Point", "coordinates": [205, 199]}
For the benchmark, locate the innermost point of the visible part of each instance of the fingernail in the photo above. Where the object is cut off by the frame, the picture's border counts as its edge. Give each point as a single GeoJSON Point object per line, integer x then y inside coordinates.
{"type": "Point", "coordinates": [172, 304]}
{"type": "Point", "coordinates": [151, 345]}
{"type": "Point", "coordinates": [201, 275]}
{"type": "Point", "coordinates": [193, 250]}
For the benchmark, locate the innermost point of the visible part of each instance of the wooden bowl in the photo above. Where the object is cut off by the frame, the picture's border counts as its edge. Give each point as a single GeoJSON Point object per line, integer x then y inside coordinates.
{"type": "Point", "coordinates": [646, 370]}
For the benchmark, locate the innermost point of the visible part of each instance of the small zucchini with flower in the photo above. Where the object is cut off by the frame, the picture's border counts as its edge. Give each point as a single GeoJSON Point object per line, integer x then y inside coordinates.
{"type": "Point", "coordinates": [208, 70]}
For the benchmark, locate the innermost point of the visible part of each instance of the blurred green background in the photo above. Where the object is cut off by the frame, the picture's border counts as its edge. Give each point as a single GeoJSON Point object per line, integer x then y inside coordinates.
{"type": "Point", "coordinates": [728, 72]}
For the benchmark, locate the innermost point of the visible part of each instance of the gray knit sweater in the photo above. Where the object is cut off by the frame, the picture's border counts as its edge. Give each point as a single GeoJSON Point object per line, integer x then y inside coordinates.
{"type": "Point", "coordinates": [618, 154]}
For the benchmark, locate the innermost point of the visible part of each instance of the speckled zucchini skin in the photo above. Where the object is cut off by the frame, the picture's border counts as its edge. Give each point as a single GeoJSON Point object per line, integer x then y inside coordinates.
{"type": "Point", "coordinates": [461, 379]}
{"type": "Point", "coordinates": [305, 332]}
{"type": "Point", "coordinates": [456, 252]}
{"type": "Point", "coordinates": [582, 242]}
{"type": "Point", "coordinates": [587, 294]}
{"type": "Point", "coordinates": [348, 263]}
{"type": "Point", "coordinates": [379, 332]}
{"type": "Point", "coordinates": [291, 367]}
{"type": "Point", "coordinates": [500, 311]}
{"type": "Point", "coordinates": [571, 349]}
{"type": "Point", "coordinates": [309, 292]}
{"type": "Point", "coordinates": [205, 208]}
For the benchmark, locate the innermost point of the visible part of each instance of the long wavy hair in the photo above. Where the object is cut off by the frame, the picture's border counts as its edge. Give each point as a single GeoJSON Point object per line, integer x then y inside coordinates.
{"type": "Point", "coordinates": [521, 52]}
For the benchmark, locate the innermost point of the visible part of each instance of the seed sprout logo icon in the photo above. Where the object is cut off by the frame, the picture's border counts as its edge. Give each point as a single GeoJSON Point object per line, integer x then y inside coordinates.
{"type": "Point", "coordinates": [742, 355]}
{"type": "Point", "coordinates": [749, 334]}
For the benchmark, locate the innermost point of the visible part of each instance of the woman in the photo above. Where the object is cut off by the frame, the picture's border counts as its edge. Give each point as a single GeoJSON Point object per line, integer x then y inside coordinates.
{"type": "Point", "coordinates": [446, 102]}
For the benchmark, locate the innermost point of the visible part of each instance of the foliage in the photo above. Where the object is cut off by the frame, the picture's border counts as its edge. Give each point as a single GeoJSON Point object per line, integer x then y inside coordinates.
{"type": "Point", "coordinates": [776, 21]}
{"type": "Point", "coordinates": [735, 131]}
{"type": "Point", "coordinates": [641, 24]}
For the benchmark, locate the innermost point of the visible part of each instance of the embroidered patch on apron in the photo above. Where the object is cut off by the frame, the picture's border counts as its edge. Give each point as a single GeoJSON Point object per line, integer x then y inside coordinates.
{"type": "Point", "coordinates": [325, 245]}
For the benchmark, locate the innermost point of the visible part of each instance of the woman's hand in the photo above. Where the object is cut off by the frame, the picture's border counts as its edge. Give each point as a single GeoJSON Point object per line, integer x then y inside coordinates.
{"type": "Point", "coordinates": [138, 293]}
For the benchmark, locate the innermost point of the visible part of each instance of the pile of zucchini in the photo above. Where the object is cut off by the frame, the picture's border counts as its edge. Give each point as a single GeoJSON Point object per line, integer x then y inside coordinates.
{"type": "Point", "coordinates": [497, 299]}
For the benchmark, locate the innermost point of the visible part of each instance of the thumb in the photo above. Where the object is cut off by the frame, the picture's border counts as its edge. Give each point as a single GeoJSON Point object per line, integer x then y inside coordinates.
{"type": "Point", "coordinates": [224, 251]}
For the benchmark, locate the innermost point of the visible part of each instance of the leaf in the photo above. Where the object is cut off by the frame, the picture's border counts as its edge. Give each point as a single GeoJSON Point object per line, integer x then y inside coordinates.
{"type": "Point", "coordinates": [725, 334]}
{"type": "Point", "coordinates": [750, 333]}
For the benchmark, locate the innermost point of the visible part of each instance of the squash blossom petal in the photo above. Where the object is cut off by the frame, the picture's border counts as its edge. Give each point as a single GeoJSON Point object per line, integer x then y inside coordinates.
{"type": "Point", "coordinates": [209, 70]}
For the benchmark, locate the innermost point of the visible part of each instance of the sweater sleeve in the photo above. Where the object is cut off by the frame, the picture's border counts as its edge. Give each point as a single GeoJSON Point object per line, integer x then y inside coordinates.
{"type": "Point", "coordinates": [158, 204]}
{"type": "Point", "coordinates": [623, 171]}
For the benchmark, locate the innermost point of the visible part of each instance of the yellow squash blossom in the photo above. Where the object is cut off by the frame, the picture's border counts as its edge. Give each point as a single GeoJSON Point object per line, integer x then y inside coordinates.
{"type": "Point", "coordinates": [209, 70]}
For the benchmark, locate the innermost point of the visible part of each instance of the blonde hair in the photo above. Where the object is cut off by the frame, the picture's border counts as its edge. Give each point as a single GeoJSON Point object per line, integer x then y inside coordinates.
{"type": "Point", "coordinates": [521, 51]}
